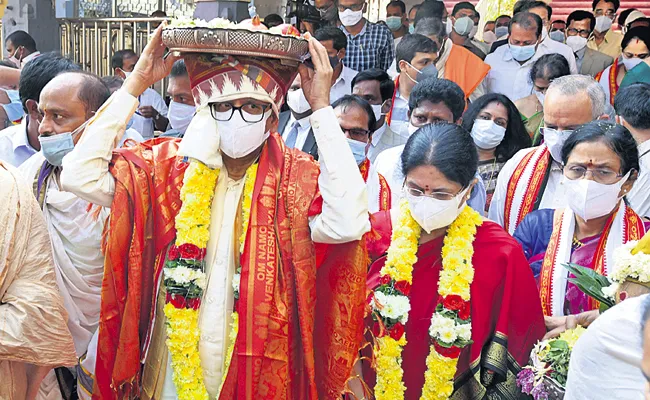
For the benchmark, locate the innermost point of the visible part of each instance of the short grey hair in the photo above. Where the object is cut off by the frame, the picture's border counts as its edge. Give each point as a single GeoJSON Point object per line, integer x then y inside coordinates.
{"type": "Point", "coordinates": [431, 27]}
{"type": "Point", "coordinates": [572, 85]}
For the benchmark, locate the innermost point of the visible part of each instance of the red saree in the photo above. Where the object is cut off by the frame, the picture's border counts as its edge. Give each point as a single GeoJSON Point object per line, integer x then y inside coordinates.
{"type": "Point", "coordinates": [282, 351]}
{"type": "Point", "coordinates": [506, 315]}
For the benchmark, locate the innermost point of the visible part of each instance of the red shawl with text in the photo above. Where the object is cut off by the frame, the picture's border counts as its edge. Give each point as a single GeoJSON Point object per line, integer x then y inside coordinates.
{"type": "Point", "coordinates": [300, 322]}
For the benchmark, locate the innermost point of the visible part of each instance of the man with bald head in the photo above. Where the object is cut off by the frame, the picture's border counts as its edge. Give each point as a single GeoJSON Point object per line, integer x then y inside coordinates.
{"type": "Point", "coordinates": [531, 179]}
{"type": "Point", "coordinates": [75, 226]}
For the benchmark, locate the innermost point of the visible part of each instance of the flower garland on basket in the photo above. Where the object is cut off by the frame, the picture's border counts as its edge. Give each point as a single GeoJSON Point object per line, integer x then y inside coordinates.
{"type": "Point", "coordinates": [450, 329]}
{"type": "Point", "coordinates": [546, 375]}
{"type": "Point", "coordinates": [185, 280]}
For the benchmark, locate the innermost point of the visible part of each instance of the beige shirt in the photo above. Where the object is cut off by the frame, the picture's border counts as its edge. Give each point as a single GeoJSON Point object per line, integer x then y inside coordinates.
{"type": "Point", "coordinates": [610, 46]}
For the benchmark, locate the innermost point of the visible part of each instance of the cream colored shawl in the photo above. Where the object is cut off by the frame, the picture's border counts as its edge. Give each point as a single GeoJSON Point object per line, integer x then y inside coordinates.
{"type": "Point", "coordinates": [33, 332]}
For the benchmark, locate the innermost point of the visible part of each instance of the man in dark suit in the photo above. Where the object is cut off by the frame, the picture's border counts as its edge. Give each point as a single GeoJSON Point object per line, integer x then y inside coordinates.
{"type": "Point", "coordinates": [294, 125]}
{"type": "Point", "coordinates": [580, 25]}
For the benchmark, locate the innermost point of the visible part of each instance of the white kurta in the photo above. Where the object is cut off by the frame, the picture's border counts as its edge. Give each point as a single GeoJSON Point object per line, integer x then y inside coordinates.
{"type": "Point", "coordinates": [75, 233]}
{"type": "Point", "coordinates": [554, 196]}
{"type": "Point", "coordinates": [606, 360]}
{"type": "Point", "coordinates": [344, 217]}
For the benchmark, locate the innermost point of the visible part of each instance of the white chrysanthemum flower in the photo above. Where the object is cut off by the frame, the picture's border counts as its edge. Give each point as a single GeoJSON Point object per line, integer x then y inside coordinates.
{"type": "Point", "coordinates": [610, 291]}
{"type": "Point", "coordinates": [440, 323]}
{"type": "Point", "coordinates": [626, 265]}
{"type": "Point", "coordinates": [393, 307]}
{"type": "Point", "coordinates": [464, 331]}
{"type": "Point", "coordinates": [448, 334]}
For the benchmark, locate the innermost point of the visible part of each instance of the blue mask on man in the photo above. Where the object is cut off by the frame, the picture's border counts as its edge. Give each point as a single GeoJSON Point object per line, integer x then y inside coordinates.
{"type": "Point", "coordinates": [358, 150]}
{"type": "Point", "coordinates": [523, 53]}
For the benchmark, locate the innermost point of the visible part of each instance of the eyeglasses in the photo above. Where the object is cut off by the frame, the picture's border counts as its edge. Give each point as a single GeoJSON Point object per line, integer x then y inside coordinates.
{"type": "Point", "coordinates": [609, 13]}
{"type": "Point", "coordinates": [434, 195]}
{"type": "Point", "coordinates": [582, 32]}
{"type": "Point", "coordinates": [250, 112]}
{"type": "Point", "coordinates": [354, 7]}
{"type": "Point", "coordinates": [601, 175]}
{"type": "Point", "coordinates": [356, 133]}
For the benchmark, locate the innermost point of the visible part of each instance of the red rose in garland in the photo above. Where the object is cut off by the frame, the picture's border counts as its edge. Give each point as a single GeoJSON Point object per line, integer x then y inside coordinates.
{"type": "Point", "coordinates": [397, 331]}
{"type": "Point", "coordinates": [404, 287]}
{"type": "Point", "coordinates": [449, 352]}
{"type": "Point", "coordinates": [453, 302]}
{"type": "Point", "coordinates": [190, 251]}
{"type": "Point", "coordinates": [173, 253]}
{"type": "Point", "coordinates": [465, 312]}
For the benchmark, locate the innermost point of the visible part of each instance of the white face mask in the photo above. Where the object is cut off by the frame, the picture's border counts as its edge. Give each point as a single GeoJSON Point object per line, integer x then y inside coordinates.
{"type": "Point", "coordinates": [412, 129]}
{"type": "Point", "coordinates": [358, 150]}
{"type": "Point", "coordinates": [589, 199]}
{"type": "Point", "coordinates": [376, 108]}
{"type": "Point", "coordinates": [432, 214]}
{"type": "Point", "coordinates": [544, 32]}
{"type": "Point", "coordinates": [239, 138]}
{"type": "Point", "coordinates": [449, 25]}
{"type": "Point", "coordinates": [349, 17]}
{"type": "Point", "coordinates": [473, 32]}
{"type": "Point", "coordinates": [126, 73]}
{"type": "Point", "coordinates": [630, 63]}
{"type": "Point", "coordinates": [486, 134]}
{"type": "Point", "coordinates": [540, 97]}
{"type": "Point", "coordinates": [489, 37]}
{"type": "Point", "coordinates": [297, 101]}
{"type": "Point", "coordinates": [603, 23]}
{"type": "Point", "coordinates": [554, 140]}
{"type": "Point", "coordinates": [576, 43]}
{"type": "Point", "coordinates": [180, 115]}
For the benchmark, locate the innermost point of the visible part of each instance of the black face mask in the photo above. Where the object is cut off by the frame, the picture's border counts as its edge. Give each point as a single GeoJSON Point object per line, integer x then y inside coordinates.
{"type": "Point", "coordinates": [330, 14]}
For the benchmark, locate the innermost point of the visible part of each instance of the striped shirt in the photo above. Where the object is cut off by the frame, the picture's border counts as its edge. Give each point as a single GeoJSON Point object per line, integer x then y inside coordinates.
{"type": "Point", "coordinates": [371, 48]}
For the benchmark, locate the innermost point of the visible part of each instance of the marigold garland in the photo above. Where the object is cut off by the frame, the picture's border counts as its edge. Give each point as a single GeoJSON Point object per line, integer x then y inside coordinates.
{"type": "Point", "coordinates": [185, 280]}
{"type": "Point", "coordinates": [450, 329]}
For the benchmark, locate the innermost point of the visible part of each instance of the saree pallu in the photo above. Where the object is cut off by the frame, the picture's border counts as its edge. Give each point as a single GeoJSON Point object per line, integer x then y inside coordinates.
{"type": "Point", "coordinates": [300, 321]}
{"type": "Point", "coordinates": [506, 315]}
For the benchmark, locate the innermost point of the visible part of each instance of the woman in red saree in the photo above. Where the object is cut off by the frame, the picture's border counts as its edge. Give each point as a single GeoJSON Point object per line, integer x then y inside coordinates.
{"type": "Point", "coordinates": [504, 314]}
{"type": "Point", "coordinates": [601, 164]}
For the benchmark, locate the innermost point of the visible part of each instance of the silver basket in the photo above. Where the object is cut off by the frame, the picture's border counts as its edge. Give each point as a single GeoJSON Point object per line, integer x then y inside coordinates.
{"type": "Point", "coordinates": [236, 42]}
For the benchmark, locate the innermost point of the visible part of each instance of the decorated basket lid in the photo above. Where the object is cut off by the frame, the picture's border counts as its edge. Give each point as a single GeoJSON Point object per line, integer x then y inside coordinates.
{"type": "Point", "coordinates": [247, 38]}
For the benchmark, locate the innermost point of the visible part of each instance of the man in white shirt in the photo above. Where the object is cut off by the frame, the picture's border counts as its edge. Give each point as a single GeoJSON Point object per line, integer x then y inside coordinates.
{"type": "Point", "coordinates": [75, 226]}
{"type": "Point", "coordinates": [510, 64]}
{"type": "Point", "coordinates": [413, 54]}
{"type": "Point", "coordinates": [151, 115]}
{"type": "Point", "coordinates": [544, 11]}
{"type": "Point", "coordinates": [397, 20]}
{"type": "Point", "coordinates": [19, 142]}
{"type": "Point", "coordinates": [336, 43]}
{"type": "Point", "coordinates": [570, 101]}
{"type": "Point", "coordinates": [357, 121]}
{"type": "Point", "coordinates": [432, 100]}
{"type": "Point", "coordinates": [632, 105]}
{"type": "Point", "coordinates": [234, 128]}
{"type": "Point", "coordinates": [609, 360]}
{"type": "Point", "coordinates": [376, 87]}
{"type": "Point", "coordinates": [21, 48]}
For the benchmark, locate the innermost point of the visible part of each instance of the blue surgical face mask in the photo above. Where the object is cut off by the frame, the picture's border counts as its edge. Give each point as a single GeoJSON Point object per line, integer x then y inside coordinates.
{"type": "Point", "coordinates": [394, 23]}
{"type": "Point", "coordinates": [522, 53]}
{"type": "Point", "coordinates": [55, 147]}
{"type": "Point", "coordinates": [411, 28]}
{"type": "Point", "coordinates": [358, 150]}
{"type": "Point", "coordinates": [501, 31]}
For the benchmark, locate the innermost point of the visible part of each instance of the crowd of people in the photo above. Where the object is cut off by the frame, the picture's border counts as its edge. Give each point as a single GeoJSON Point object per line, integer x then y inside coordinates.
{"type": "Point", "coordinates": [490, 153]}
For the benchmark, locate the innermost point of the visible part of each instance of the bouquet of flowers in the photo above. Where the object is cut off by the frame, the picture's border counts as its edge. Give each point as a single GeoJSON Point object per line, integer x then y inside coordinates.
{"type": "Point", "coordinates": [628, 277]}
{"type": "Point", "coordinates": [546, 375]}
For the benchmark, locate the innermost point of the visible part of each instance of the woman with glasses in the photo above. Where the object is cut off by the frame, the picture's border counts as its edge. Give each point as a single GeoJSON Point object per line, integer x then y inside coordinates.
{"type": "Point", "coordinates": [498, 132]}
{"type": "Point", "coordinates": [434, 322]}
{"type": "Point", "coordinates": [546, 69]}
{"type": "Point", "coordinates": [601, 163]}
{"type": "Point", "coordinates": [636, 48]}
